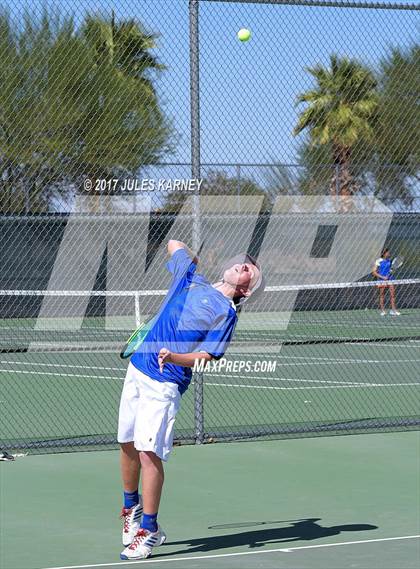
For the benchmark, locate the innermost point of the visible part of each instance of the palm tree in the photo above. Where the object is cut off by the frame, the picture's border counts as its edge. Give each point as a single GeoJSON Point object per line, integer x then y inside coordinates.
{"type": "Point", "coordinates": [75, 102]}
{"type": "Point", "coordinates": [124, 45]}
{"type": "Point", "coordinates": [123, 49]}
{"type": "Point", "coordinates": [397, 136]}
{"type": "Point", "coordinates": [340, 115]}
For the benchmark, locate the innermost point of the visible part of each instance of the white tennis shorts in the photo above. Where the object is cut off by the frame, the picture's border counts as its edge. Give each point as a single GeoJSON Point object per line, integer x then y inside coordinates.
{"type": "Point", "coordinates": [147, 413]}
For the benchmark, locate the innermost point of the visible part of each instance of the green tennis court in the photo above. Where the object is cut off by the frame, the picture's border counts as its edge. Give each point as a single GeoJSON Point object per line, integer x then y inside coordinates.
{"type": "Point", "coordinates": [67, 399]}
{"type": "Point", "coordinates": [326, 503]}
{"type": "Point", "coordinates": [154, 164]}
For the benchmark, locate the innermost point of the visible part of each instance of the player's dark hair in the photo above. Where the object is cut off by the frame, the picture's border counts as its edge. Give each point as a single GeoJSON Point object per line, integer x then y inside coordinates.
{"type": "Point", "coordinates": [384, 250]}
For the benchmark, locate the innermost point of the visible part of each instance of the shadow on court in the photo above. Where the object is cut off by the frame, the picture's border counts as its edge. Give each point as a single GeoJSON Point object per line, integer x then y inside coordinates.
{"type": "Point", "coordinates": [302, 530]}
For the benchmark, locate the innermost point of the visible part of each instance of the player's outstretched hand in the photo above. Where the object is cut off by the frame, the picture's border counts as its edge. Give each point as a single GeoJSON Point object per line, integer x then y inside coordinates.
{"type": "Point", "coordinates": [163, 358]}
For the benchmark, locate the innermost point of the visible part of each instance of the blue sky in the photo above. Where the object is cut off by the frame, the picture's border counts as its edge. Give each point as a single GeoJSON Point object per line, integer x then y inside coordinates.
{"type": "Point", "coordinates": [247, 90]}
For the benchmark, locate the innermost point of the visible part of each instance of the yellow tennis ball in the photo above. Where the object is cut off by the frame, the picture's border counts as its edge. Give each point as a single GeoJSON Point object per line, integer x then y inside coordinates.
{"type": "Point", "coordinates": [244, 34]}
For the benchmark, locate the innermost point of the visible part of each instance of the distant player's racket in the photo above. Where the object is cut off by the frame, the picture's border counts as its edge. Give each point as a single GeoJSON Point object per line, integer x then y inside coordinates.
{"type": "Point", "coordinates": [397, 262]}
{"type": "Point", "coordinates": [138, 336]}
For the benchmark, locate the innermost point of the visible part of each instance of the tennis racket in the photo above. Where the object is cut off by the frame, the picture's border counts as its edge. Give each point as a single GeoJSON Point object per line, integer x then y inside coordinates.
{"type": "Point", "coordinates": [138, 336]}
{"type": "Point", "coordinates": [397, 262]}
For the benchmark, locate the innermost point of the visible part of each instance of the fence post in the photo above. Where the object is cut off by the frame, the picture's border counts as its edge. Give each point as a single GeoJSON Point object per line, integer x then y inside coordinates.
{"type": "Point", "coordinates": [196, 174]}
{"type": "Point", "coordinates": [337, 181]}
{"type": "Point", "coordinates": [195, 117]}
{"type": "Point", "coordinates": [199, 407]}
{"type": "Point", "coordinates": [238, 188]}
{"type": "Point", "coordinates": [137, 308]}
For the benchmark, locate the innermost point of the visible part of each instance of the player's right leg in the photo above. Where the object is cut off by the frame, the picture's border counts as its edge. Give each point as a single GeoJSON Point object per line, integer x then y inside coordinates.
{"type": "Point", "coordinates": [150, 534]}
{"type": "Point", "coordinates": [129, 458]}
{"type": "Point", "coordinates": [153, 438]}
{"type": "Point", "coordinates": [133, 503]}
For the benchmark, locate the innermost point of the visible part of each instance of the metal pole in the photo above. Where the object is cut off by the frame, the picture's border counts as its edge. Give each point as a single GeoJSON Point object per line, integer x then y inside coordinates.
{"type": "Point", "coordinates": [199, 407]}
{"type": "Point", "coordinates": [337, 187]}
{"type": "Point", "coordinates": [27, 200]}
{"type": "Point", "coordinates": [331, 4]}
{"type": "Point", "coordinates": [195, 117]}
{"type": "Point", "coordinates": [137, 309]}
{"type": "Point", "coordinates": [196, 174]}
{"type": "Point", "coordinates": [238, 188]}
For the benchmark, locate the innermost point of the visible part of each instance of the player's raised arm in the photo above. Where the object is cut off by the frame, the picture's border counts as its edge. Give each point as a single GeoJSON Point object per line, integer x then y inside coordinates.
{"type": "Point", "coordinates": [174, 245]}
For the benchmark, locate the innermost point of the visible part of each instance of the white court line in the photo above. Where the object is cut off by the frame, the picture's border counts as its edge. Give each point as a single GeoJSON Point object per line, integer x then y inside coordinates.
{"type": "Point", "coordinates": [334, 361]}
{"type": "Point", "coordinates": [304, 380]}
{"type": "Point", "coordinates": [274, 388]}
{"type": "Point", "coordinates": [324, 362]}
{"type": "Point", "coordinates": [206, 383]}
{"type": "Point", "coordinates": [281, 363]}
{"type": "Point", "coordinates": [86, 376]}
{"type": "Point", "coordinates": [308, 387]}
{"type": "Point", "coordinates": [214, 374]}
{"type": "Point", "coordinates": [222, 555]}
{"type": "Point", "coordinates": [70, 366]}
{"type": "Point", "coordinates": [282, 325]}
{"type": "Point", "coordinates": [367, 345]}
{"type": "Point", "coordinates": [329, 339]}
{"type": "Point", "coordinates": [298, 379]}
{"type": "Point", "coordinates": [410, 321]}
{"type": "Point", "coordinates": [338, 360]}
{"type": "Point", "coordinates": [388, 345]}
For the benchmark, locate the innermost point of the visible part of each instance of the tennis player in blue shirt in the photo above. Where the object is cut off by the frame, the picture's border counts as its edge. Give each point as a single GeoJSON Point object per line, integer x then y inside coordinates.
{"type": "Point", "coordinates": [383, 272]}
{"type": "Point", "coordinates": [196, 321]}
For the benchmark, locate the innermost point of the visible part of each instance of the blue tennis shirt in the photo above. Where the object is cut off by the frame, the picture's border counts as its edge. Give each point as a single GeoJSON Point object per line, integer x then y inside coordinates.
{"type": "Point", "coordinates": [384, 267]}
{"type": "Point", "coordinates": [194, 317]}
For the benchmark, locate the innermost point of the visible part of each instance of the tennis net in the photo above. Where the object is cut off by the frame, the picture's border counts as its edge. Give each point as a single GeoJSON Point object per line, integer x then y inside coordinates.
{"type": "Point", "coordinates": [334, 313]}
{"type": "Point", "coordinates": [340, 366]}
{"type": "Point", "coordinates": [287, 314]}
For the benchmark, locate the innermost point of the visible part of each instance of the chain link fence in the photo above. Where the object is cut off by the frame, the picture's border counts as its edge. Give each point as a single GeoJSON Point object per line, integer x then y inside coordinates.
{"type": "Point", "coordinates": [124, 125]}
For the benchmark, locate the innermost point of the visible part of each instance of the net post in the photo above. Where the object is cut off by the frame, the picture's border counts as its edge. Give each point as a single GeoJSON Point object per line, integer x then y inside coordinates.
{"type": "Point", "coordinates": [137, 308]}
{"type": "Point", "coordinates": [199, 407]}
